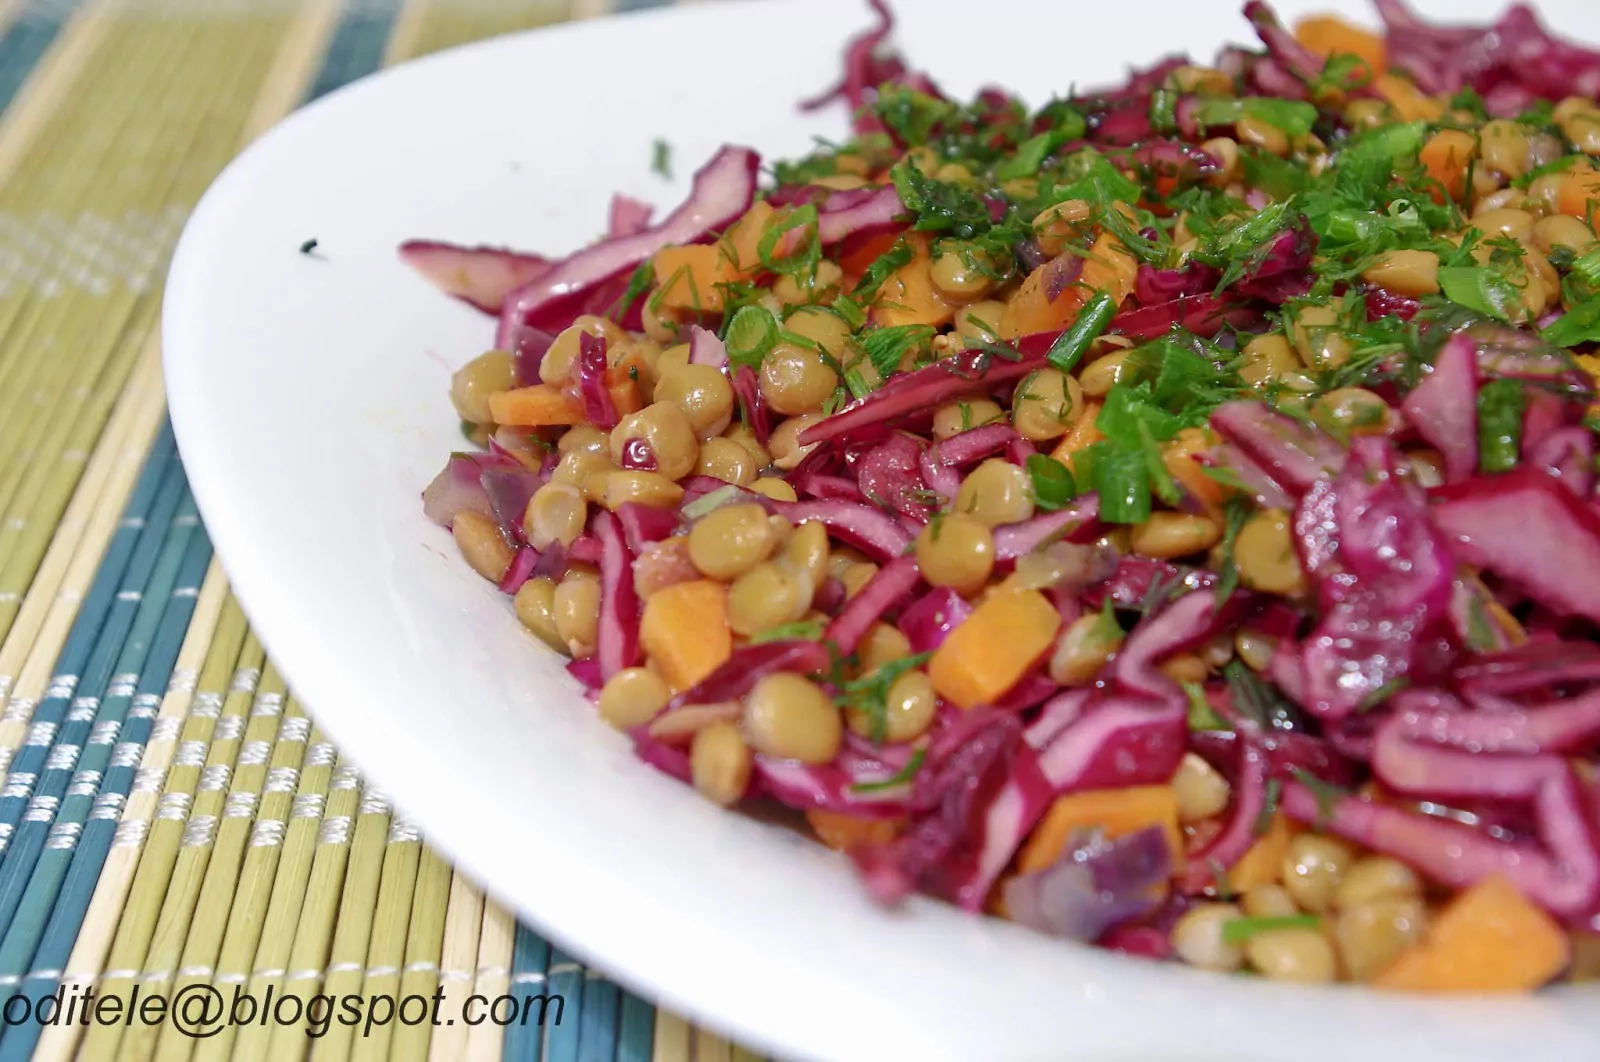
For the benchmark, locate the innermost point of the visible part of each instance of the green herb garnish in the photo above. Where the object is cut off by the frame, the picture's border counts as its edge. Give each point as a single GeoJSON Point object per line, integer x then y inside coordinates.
{"type": "Point", "coordinates": [1501, 404]}
{"type": "Point", "coordinates": [900, 777]}
{"type": "Point", "coordinates": [869, 694]}
{"type": "Point", "coordinates": [1070, 346]}
{"type": "Point", "coordinates": [805, 630]}
{"type": "Point", "coordinates": [1053, 486]}
{"type": "Point", "coordinates": [1239, 930]}
{"type": "Point", "coordinates": [661, 159]}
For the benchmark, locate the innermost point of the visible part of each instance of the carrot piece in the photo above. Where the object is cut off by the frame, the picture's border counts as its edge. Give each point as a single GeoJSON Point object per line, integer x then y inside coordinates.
{"type": "Point", "coordinates": [530, 407]}
{"type": "Point", "coordinates": [1406, 100]}
{"type": "Point", "coordinates": [855, 262]}
{"type": "Point", "coordinates": [689, 277]}
{"type": "Point", "coordinates": [741, 247]}
{"type": "Point", "coordinates": [1445, 156]}
{"type": "Point", "coordinates": [685, 631]}
{"type": "Point", "coordinates": [1179, 459]}
{"type": "Point", "coordinates": [907, 296]}
{"type": "Point", "coordinates": [986, 655]}
{"type": "Point", "coordinates": [1118, 812]}
{"type": "Point", "coordinates": [1108, 268]}
{"type": "Point", "coordinates": [1263, 862]}
{"type": "Point", "coordinates": [1326, 35]}
{"type": "Point", "coordinates": [1580, 193]}
{"type": "Point", "coordinates": [844, 832]}
{"type": "Point", "coordinates": [1083, 435]}
{"type": "Point", "coordinates": [1489, 938]}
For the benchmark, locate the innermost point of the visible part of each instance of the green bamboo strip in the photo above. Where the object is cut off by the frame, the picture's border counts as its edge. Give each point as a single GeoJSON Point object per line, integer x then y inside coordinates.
{"type": "Point", "coordinates": [463, 924]}
{"type": "Point", "coordinates": [709, 1047]}
{"type": "Point", "coordinates": [53, 80]}
{"type": "Point", "coordinates": [257, 876]}
{"type": "Point", "coordinates": [493, 977]}
{"type": "Point", "coordinates": [52, 473]}
{"type": "Point", "coordinates": [158, 844]}
{"type": "Point", "coordinates": [194, 850]}
{"type": "Point", "coordinates": [335, 944]}
{"type": "Point", "coordinates": [302, 865]}
{"type": "Point", "coordinates": [674, 1041]}
{"type": "Point", "coordinates": [439, 23]}
{"type": "Point", "coordinates": [69, 182]}
{"type": "Point", "coordinates": [386, 954]}
{"type": "Point", "coordinates": [84, 965]}
{"type": "Point", "coordinates": [424, 946]}
{"type": "Point", "coordinates": [45, 617]}
{"type": "Point", "coordinates": [203, 936]}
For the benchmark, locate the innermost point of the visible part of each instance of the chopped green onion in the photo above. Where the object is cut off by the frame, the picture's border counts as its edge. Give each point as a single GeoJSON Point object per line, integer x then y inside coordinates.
{"type": "Point", "coordinates": [1073, 342]}
{"type": "Point", "coordinates": [751, 334]}
{"type": "Point", "coordinates": [1480, 288]}
{"type": "Point", "coordinates": [1500, 407]}
{"type": "Point", "coordinates": [866, 288]}
{"type": "Point", "coordinates": [1588, 267]}
{"type": "Point", "coordinates": [710, 502]}
{"type": "Point", "coordinates": [900, 777]}
{"type": "Point", "coordinates": [1123, 482]}
{"type": "Point", "coordinates": [808, 631]}
{"type": "Point", "coordinates": [847, 308]}
{"type": "Point", "coordinates": [887, 347]}
{"type": "Point", "coordinates": [1053, 486]}
{"type": "Point", "coordinates": [1239, 930]}
{"type": "Point", "coordinates": [1201, 715]}
{"type": "Point", "coordinates": [1581, 324]}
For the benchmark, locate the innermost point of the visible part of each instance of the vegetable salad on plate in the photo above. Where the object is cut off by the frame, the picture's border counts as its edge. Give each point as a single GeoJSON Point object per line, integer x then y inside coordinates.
{"type": "Point", "coordinates": [1165, 518]}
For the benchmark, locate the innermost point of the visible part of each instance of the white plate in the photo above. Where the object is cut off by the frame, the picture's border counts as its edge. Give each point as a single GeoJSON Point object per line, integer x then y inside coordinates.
{"type": "Point", "coordinates": [309, 398]}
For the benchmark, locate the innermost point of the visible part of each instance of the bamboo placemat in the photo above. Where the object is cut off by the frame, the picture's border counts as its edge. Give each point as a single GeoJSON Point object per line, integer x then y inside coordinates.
{"type": "Point", "coordinates": [172, 824]}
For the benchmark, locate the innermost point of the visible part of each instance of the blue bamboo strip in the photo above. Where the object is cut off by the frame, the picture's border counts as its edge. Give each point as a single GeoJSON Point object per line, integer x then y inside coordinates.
{"type": "Point", "coordinates": [637, 1039]}
{"type": "Point", "coordinates": [26, 40]}
{"type": "Point", "coordinates": [88, 659]}
{"type": "Point", "coordinates": [357, 46]}
{"type": "Point", "coordinates": [103, 590]}
{"type": "Point", "coordinates": [565, 979]}
{"type": "Point", "coordinates": [529, 957]}
{"type": "Point", "coordinates": [63, 883]}
{"type": "Point", "coordinates": [598, 1019]}
{"type": "Point", "coordinates": [71, 778]}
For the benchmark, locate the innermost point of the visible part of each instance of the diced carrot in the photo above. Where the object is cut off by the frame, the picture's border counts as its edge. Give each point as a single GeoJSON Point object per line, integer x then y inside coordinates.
{"type": "Point", "coordinates": [872, 248]}
{"type": "Point", "coordinates": [531, 407]}
{"type": "Point", "coordinates": [1179, 459]}
{"type": "Point", "coordinates": [1118, 812]}
{"type": "Point", "coordinates": [625, 395]}
{"type": "Point", "coordinates": [1446, 156]}
{"type": "Point", "coordinates": [1406, 100]}
{"type": "Point", "coordinates": [685, 631]}
{"type": "Point", "coordinates": [1326, 35]}
{"type": "Point", "coordinates": [741, 247]}
{"type": "Point", "coordinates": [689, 277]}
{"type": "Point", "coordinates": [844, 832]}
{"type": "Point", "coordinates": [1083, 435]}
{"type": "Point", "coordinates": [986, 655]}
{"type": "Point", "coordinates": [1580, 193]}
{"type": "Point", "coordinates": [1108, 268]}
{"type": "Point", "coordinates": [1263, 862]}
{"type": "Point", "coordinates": [1489, 938]}
{"type": "Point", "coordinates": [907, 296]}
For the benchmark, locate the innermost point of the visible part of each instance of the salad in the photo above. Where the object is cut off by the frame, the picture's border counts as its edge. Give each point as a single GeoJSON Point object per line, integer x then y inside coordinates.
{"type": "Point", "coordinates": [1165, 518]}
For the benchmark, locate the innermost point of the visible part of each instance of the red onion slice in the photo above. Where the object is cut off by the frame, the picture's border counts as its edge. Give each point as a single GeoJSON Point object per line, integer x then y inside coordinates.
{"type": "Point", "coordinates": [617, 642]}
{"type": "Point", "coordinates": [888, 586]}
{"type": "Point", "coordinates": [872, 531]}
{"type": "Point", "coordinates": [1076, 520]}
{"type": "Point", "coordinates": [1444, 408]}
{"type": "Point", "coordinates": [706, 349]}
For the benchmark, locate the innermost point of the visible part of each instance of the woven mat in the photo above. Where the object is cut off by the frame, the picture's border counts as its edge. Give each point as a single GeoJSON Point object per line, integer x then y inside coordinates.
{"type": "Point", "coordinates": [171, 822]}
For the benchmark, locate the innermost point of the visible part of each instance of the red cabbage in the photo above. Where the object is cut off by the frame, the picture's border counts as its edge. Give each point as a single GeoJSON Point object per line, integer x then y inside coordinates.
{"type": "Point", "coordinates": [870, 530]}
{"type": "Point", "coordinates": [1238, 832]}
{"type": "Point", "coordinates": [889, 476]}
{"type": "Point", "coordinates": [597, 404]}
{"type": "Point", "coordinates": [879, 210]}
{"type": "Point", "coordinates": [800, 786]}
{"type": "Point", "coordinates": [723, 190]}
{"type": "Point", "coordinates": [1076, 520]}
{"type": "Point", "coordinates": [888, 586]}
{"type": "Point", "coordinates": [1384, 578]}
{"type": "Point", "coordinates": [826, 488]}
{"type": "Point", "coordinates": [735, 676]}
{"type": "Point", "coordinates": [706, 349]}
{"type": "Point", "coordinates": [1568, 454]}
{"type": "Point", "coordinates": [1532, 666]}
{"type": "Point", "coordinates": [644, 524]}
{"type": "Point", "coordinates": [479, 276]}
{"type": "Point", "coordinates": [748, 390]}
{"type": "Point", "coordinates": [1444, 408]}
{"type": "Point", "coordinates": [508, 489]}
{"type": "Point", "coordinates": [520, 571]}
{"type": "Point", "coordinates": [928, 621]}
{"type": "Point", "coordinates": [628, 216]}
{"type": "Point", "coordinates": [1060, 712]}
{"type": "Point", "coordinates": [617, 642]}
{"type": "Point", "coordinates": [1524, 526]}
{"type": "Point", "coordinates": [586, 672]}
{"type": "Point", "coordinates": [1294, 455]}
{"type": "Point", "coordinates": [1094, 886]}
{"type": "Point", "coordinates": [459, 487]}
